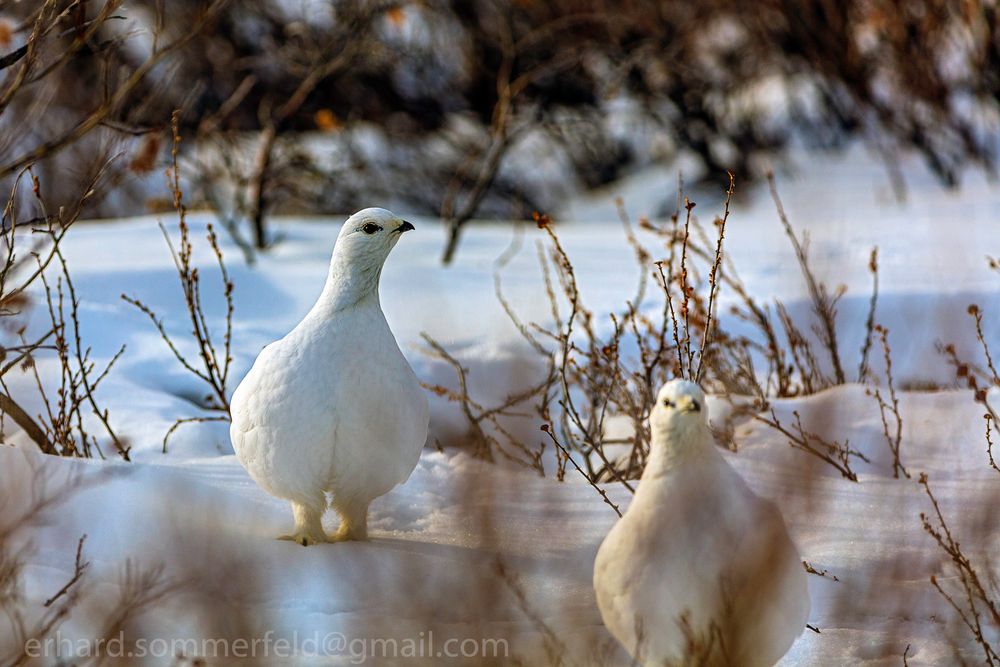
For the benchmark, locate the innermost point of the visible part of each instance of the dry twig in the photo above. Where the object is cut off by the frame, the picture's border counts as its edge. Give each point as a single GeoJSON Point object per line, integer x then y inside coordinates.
{"type": "Point", "coordinates": [824, 303]}
{"type": "Point", "coordinates": [889, 407]}
{"type": "Point", "coordinates": [214, 362]}
{"type": "Point", "coordinates": [974, 606]}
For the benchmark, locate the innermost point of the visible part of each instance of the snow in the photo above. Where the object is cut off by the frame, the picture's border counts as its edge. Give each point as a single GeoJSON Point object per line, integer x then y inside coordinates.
{"type": "Point", "coordinates": [440, 538]}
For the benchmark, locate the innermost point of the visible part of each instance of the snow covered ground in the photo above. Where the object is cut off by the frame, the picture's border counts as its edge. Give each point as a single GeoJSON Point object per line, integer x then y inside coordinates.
{"type": "Point", "coordinates": [470, 551]}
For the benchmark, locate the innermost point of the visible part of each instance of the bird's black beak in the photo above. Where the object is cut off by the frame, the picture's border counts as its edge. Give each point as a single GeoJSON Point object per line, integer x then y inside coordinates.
{"type": "Point", "coordinates": [405, 227]}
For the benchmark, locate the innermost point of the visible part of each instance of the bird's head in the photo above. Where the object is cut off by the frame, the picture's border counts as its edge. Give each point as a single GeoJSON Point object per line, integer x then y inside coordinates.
{"type": "Point", "coordinates": [369, 235]}
{"type": "Point", "coordinates": [680, 410]}
{"type": "Point", "coordinates": [364, 243]}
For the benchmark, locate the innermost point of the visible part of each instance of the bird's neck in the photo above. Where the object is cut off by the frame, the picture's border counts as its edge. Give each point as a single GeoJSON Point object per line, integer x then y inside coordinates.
{"type": "Point", "coordinates": [350, 284]}
{"type": "Point", "coordinates": [672, 447]}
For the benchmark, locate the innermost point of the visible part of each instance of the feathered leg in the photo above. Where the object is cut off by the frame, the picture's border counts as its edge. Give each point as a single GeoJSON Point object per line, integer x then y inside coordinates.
{"type": "Point", "coordinates": [353, 519]}
{"type": "Point", "coordinates": [308, 523]}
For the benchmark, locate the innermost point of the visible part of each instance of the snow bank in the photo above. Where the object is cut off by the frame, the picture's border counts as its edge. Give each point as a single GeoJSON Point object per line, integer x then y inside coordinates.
{"type": "Point", "coordinates": [440, 539]}
{"type": "Point", "coordinates": [466, 550]}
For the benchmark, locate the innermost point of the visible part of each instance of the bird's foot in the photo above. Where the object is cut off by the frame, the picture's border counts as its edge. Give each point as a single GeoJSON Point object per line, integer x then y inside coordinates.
{"type": "Point", "coordinates": [306, 538]}
{"type": "Point", "coordinates": [308, 524]}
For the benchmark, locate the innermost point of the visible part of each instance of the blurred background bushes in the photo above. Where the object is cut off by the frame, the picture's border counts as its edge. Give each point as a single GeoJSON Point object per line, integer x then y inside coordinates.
{"type": "Point", "coordinates": [481, 108]}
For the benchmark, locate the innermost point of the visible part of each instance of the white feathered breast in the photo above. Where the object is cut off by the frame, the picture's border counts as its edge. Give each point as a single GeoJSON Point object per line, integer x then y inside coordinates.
{"type": "Point", "coordinates": [333, 405]}
{"type": "Point", "coordinates": [699, 560]}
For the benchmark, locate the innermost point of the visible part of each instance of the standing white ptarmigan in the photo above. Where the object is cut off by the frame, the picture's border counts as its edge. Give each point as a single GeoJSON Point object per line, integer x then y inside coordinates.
{"type": "Point", "coordinates": [699, 570]}
{"type": "Point", "coordinates": [334, 406]}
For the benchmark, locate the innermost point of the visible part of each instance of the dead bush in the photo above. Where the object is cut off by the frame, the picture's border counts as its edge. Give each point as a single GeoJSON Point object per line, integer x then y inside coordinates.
{"type": "Point", "coordinates": [212, 366]}
{"type": "Point", "coordinates": [611, 369]}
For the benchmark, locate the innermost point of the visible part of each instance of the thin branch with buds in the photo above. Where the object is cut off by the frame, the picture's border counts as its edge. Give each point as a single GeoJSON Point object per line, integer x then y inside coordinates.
{"type": "Point", "coordinates": [213, 364]}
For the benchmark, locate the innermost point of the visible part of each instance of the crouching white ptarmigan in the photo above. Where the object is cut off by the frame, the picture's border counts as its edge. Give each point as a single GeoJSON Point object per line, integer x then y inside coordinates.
{"type": "Point", "coordinates": [699, 571]}
{"type": "Point", "coordinates": [334, 406]}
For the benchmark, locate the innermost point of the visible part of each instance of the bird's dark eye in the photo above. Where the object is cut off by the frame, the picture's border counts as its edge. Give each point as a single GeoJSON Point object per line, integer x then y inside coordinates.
{"type": "Point", "coordinates": [667, 402]}
{"type": "Point", "coordinates": [371, 228]}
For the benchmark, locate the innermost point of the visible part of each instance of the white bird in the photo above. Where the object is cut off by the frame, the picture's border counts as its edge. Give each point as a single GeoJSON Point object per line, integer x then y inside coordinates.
{"type": "Point", "coordinates": [700, 570]}
{"type": "Point", "coordinates": [334, 406]}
